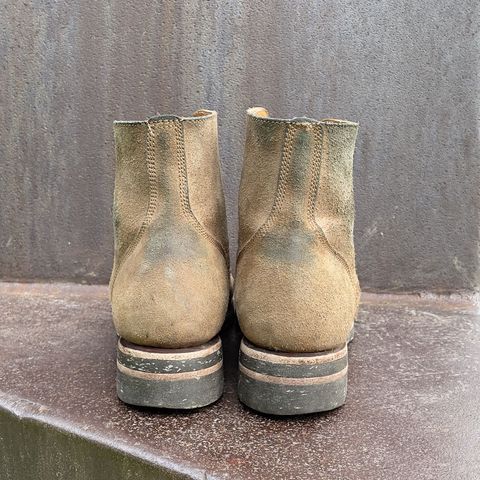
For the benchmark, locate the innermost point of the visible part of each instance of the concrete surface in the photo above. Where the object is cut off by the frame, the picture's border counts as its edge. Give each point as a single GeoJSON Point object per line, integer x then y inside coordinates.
{"type": "Point", "coordinates": [407, 71]}
{"type": "Point", "coordinates": [411, 412]}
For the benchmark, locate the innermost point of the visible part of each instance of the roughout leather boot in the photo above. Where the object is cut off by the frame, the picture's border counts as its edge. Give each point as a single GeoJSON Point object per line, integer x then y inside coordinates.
{"type": "Point", "coordinates": [296, 289]}
{"type": "Point", "coordinates": [170, 281]}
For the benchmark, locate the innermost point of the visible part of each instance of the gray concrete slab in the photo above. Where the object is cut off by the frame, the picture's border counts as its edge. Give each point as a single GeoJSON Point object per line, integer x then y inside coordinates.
{"type": "Point", "coordinates": [407, 71]}
{"type": "Point", "coordinates": [411, 410]}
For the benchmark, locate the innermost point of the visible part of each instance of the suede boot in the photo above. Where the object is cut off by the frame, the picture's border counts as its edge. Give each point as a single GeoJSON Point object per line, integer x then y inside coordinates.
{"type": "Point", "coordinates": [296, 290]}
{"type": "Point", "coordinates": [170, 282]}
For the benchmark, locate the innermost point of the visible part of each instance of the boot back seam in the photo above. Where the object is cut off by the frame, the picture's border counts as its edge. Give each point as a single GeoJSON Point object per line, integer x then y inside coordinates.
{"type": "Point", "coordinates": [184, 193]}
{"type": "Point", "coordinates": [152, 196]}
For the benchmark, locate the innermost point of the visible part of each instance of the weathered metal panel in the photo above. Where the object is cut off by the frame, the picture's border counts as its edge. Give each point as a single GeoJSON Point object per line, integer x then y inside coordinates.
{"type": "Point", "coordinates": [407, 71]}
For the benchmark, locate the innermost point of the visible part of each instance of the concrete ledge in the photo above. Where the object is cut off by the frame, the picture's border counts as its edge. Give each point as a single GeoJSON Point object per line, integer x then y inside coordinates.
{"type": "Point", "coordinates": [411, 412]}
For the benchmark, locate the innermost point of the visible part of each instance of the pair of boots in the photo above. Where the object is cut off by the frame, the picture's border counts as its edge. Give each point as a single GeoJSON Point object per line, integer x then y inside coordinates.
{"type": "Point", "coordinates": [295, 292]}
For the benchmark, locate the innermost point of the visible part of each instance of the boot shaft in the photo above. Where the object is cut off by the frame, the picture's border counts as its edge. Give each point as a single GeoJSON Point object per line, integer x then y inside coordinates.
{"type": "Point", "coordinates": [167, 171]}
{"type": "Point", "coordinates": [298, 175]}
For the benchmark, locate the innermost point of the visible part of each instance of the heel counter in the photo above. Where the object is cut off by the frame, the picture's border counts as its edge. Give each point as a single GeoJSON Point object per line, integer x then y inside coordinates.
{"type": "Point", "coordinates": [300, 302]}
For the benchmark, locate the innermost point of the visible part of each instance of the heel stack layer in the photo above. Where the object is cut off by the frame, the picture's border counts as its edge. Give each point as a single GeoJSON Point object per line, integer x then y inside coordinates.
{"type": "Point", "coordinates": [170, 378]}
{"type": "Point", "coordinates": [291, 384]}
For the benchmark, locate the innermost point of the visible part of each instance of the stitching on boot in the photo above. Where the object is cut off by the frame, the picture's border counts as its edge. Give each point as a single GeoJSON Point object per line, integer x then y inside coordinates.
{"type": "Point", "coordinates": [183, 184]}
{"type": "Point", "coordinates": [152, 197]}
{"type": "Point", "coordinates": [280, 191]}
{"type": "Point", "coordinates": [319, 152]}
{"type": "Point", "coordinates": [315, 183]}
{"type": "Point", "coordinates": [290, 122]}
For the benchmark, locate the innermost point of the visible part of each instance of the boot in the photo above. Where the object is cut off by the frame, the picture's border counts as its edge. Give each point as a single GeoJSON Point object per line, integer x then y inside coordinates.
{"type": "Point", "coordinates": [296, 290]}
{"type": "Point", "coordinates": [170, 283]}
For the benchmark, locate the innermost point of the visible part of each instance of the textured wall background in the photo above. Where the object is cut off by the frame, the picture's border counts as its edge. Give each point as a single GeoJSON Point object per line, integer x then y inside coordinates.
{"type": "Point", "coordinates": [407, 71]}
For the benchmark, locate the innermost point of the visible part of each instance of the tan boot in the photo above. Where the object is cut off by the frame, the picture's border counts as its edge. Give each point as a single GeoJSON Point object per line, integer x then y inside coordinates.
{"type": "Point", "coordinates": [296, 289]}
{"type": "Point", "coordinates": [170, 283]}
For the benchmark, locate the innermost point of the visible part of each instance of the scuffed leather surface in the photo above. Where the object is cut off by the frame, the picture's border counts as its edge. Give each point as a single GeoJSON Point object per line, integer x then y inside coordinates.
{"type": "Point", "coordinates": [131, 184]}
{"type": "Point", "coordinates": [261, 166]}
{"type": "Point", "coordinates": [335, 203]}
{"type": "Point", "coordinates": [171, 290]}
{"type": "Point", "coordinates": [204, 179]}
{"type": "Point", "coordinates": [296, 288]}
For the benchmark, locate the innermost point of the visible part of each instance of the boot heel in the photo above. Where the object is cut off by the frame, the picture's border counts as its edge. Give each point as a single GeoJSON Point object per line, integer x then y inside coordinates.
{"type": "Point", "coordinates": [290, 383]}
{"type": "Point", "coordinates": [169, 378]}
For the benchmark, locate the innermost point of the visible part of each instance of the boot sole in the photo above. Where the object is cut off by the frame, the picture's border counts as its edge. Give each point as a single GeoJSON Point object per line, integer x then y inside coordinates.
{"type": "Point", "coordinates": [280, 383]}
{"type": "Point", "coordinates": [170, 378]}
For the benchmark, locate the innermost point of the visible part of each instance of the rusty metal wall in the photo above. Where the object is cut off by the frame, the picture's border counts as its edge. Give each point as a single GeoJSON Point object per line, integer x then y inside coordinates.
{"type": "Point", "coordinates": [407, 71]}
